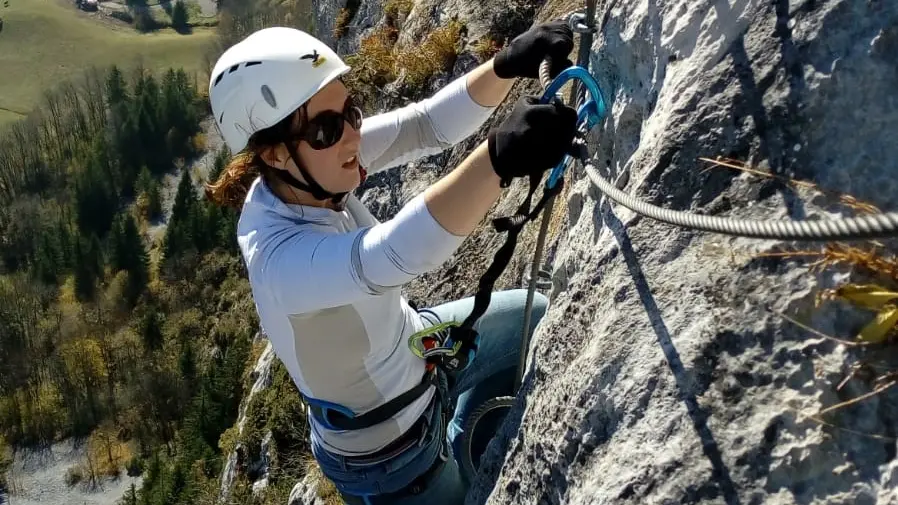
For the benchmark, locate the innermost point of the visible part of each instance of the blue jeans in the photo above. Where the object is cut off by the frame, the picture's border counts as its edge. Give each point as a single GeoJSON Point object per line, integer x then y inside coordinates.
{"type": "Point", "coordinates": [491, 374]}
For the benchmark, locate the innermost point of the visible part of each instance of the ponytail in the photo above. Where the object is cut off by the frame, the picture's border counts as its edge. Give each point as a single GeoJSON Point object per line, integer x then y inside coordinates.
{"type": "Point", "coordinates": [234, 181]}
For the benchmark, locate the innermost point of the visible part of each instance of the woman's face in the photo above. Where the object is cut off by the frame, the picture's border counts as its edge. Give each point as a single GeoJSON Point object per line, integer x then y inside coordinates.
{"type": "Point", "coordinates": [335, 168]}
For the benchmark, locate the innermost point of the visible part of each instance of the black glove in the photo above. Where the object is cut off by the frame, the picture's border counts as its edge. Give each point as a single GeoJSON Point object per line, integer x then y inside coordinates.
{"type": "Point", "coordinates": [523, 55]}
{"type": "Point", "coordinates": [532, 139]}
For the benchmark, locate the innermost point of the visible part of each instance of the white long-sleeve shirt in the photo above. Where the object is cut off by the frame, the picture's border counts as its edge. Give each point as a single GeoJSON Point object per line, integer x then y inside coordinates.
{"type": "Point", "coordinates": [326, 284]}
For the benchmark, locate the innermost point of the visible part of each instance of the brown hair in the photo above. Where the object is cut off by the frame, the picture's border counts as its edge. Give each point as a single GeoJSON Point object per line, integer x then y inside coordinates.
{"type": "Point", "coordinates": [230, 189]}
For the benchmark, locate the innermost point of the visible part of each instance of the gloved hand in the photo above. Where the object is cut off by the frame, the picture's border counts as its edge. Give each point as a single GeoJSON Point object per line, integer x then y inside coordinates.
{"type": "Point", "coordinates": [532, 139]}
{"type": "Point", "coordinates": [524, 54]}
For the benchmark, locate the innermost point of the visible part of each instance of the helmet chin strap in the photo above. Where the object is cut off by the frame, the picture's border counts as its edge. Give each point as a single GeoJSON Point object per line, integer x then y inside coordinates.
{"type": "Point", "coordinates": [312, 187]}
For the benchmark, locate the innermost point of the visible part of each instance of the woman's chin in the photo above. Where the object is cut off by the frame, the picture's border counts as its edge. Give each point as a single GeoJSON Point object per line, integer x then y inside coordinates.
{"type": "Point", "coordinates": [350, 182]}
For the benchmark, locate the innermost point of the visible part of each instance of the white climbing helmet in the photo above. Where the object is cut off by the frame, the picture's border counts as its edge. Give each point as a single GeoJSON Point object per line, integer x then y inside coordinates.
{"type": "Point", "coordinates": [265, 77]}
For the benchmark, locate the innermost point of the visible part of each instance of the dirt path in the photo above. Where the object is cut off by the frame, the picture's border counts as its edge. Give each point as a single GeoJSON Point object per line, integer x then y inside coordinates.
{"type": "Point", "coordinates": [16, 112]}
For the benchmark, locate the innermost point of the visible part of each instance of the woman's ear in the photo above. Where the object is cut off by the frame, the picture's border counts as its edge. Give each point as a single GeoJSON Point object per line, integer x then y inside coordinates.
{"type": "Point", "coordinates": [275, 156]}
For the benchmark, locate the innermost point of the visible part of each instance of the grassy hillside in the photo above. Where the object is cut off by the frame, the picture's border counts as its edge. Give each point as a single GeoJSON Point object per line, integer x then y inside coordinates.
{"type": "Point", "coordinates": [44, 42]}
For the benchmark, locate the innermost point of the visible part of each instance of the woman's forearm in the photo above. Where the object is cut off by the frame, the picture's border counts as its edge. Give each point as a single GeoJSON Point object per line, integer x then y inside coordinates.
{"type": "Point", "coordinates": [486, 88]}
{"type": "Point", "coordinates": [434, 124]}
{"type": "Point", "coordinates": [460, 200]}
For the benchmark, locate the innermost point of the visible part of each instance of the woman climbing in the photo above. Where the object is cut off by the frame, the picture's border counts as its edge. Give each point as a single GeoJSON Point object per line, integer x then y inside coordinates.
{"type": "Point", "coordinates": [326, 275]}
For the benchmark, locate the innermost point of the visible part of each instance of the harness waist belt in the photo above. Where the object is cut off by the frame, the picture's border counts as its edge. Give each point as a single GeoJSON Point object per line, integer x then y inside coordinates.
{"type": "Point", "coordinates": [337, 419]}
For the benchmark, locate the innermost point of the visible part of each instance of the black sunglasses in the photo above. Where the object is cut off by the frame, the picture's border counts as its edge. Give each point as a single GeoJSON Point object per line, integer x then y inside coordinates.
{"type": "Point", "coordinates": [326, 128]}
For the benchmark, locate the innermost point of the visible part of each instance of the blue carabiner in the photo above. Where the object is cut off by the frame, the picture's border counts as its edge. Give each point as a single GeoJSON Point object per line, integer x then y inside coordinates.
{"type": "Point", "coordinates": [582, 75]}
{"type": "Point", "coordinates": [592, 111]}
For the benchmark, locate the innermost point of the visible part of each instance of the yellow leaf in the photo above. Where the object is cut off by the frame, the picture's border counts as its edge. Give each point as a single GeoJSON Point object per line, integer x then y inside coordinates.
{"type": "Point", "coordinates": [876, 331]}
{"type": "Point", "coordinates": [870, 296]}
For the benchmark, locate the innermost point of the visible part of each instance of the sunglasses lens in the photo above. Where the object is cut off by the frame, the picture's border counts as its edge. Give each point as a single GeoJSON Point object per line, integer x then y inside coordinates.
{"type": "Point", "coordinates": [325, 130]}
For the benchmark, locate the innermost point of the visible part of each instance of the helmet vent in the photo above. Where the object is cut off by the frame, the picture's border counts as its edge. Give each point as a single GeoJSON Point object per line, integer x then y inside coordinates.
{"type": "Point", "coordinates": [234, 69]}
{"type": "Point", "coordinates": [269, 96]}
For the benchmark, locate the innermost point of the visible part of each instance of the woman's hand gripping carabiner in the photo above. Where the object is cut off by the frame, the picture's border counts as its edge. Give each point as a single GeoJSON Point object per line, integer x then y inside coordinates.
{"type": "Point", "coordinates": [588, 115]}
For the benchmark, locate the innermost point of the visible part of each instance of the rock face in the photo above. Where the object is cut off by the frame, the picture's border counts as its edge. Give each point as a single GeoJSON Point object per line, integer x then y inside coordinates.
{"type": "Point", "coordinates": [663, 371]}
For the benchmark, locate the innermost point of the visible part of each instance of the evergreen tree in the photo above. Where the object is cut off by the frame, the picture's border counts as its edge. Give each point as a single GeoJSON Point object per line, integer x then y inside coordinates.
{"type": "Point", "coordinates": [144, 180]}
{"type": "Point", "coordinates": [127, 252]}
{"type": "Point", "coordinates": [130, 497]}
{"type": "Point", "coordinates": [116, 88]}
{"type": "Point", "coordinates": [187, 365]}
{"type": "Point", "coordinates": [146, 116]}
{"type": "Point", "coordinates": [221, 222]}
{"type": "Point", "coordinates": [66, 242]}
{"type": "Point", "coordinates": [185, 198]}
{"type": "Point", "coordinates": [221, 228]}
{"type": "Point", "coordinates": [179, 16]}
{"type": "Point", "coordinates": [95, 198]}
{"type": "Point", "coordinates": [48, 261]}
{"type": "Point", "coordinates": [150, 329]}
{"type": "Point", "coordinates": [87, 265]}
{"type": "Point", "coordinates": [154, 201]}
{"type": "Point", "coordinates": [118, 256]}
{"type": "Point", "coordinates": [137, 260]}
{"type": "Point", "coordinates": [182, 225]}
{"type": "Point", "coordinates": [193, 106]}
{"type": "Point", "coordinates": [148, 189]}
{"type": "Point", "coordinates": [219, 163]}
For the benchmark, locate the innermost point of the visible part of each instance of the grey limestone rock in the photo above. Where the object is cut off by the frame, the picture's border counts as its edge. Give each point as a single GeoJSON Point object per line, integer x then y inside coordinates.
{"type": "Point", "coordinates": [662, 373]}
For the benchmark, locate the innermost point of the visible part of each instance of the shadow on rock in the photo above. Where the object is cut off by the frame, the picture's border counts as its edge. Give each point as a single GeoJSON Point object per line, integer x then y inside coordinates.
{"type": "Point", "coordinates": [699, 416]}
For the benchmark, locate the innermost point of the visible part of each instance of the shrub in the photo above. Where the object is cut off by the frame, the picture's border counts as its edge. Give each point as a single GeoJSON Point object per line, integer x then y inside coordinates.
{"type": "Point", "coordinates": [374, 61]}
{"type": "Point", "coordinates": [134, 466]}
{"type": "Point", "coordinates": [345, 17]}
{"type": "Point", "coordinates": [324, 488]}
{"type": "Point", "coordinates": [143, 21]}
{"type": "Point", "coordinates": [122, 16]}
{"type": "Point", "coordinates": [378, 60]}
{"type": "Point", "coordinates": [437, 53]}
{"type": "Point", "coordinates": [5, 462]}
{"type": "Point", "coordinates": [342, 23]}
{"type": "Point", "coordinates": [398, 8]}
{"type": "Point", "coordinates": [73, 475]}
{"type": "Point", "coordinates": [486, 48]}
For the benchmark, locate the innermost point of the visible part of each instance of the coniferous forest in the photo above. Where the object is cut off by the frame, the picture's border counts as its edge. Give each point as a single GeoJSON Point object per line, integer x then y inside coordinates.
{"type": "Point", "coordinates": [105, 335]}
{"type": "Point", "coordinates": [126, 320]}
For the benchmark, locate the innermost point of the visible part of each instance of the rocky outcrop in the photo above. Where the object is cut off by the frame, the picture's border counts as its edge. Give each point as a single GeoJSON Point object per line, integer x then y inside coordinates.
{"type": "Point", "coordinates": [235, 462]}
{"type": "Point", "coordinates": [664, 371]}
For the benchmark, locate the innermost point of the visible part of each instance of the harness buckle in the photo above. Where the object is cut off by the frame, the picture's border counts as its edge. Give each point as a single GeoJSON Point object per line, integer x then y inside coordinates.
{"type": "Point", "coordinates": [446, 345]}
{"type": "Point", "coordinates": [462, 344]}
